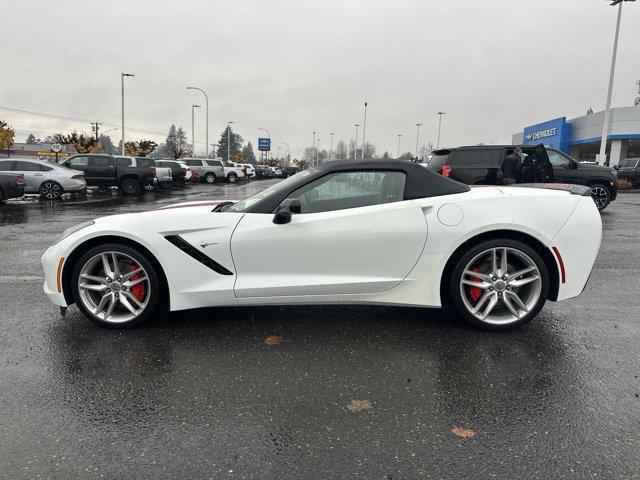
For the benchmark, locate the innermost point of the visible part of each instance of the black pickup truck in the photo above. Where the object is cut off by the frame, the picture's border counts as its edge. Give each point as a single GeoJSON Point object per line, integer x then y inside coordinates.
{"type": "Point", "coordinates": [629, 170]}
{"type": "Point", "coordinates": [481, 165]}
{"type": "Point", "coordinates": [102, 171]}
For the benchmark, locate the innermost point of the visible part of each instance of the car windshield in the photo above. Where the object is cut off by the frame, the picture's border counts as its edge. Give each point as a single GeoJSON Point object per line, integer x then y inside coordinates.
{"type": "Point", "coordinates": [245, 204]}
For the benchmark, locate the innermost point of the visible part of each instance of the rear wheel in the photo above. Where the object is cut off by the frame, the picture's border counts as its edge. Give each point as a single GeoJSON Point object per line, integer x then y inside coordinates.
{"type": "Point", "coordinates": [210, 177]}
{"type": "Point", "coordinates": [116, 286]}
{"type": "Point", "coordinates": [232, 178]}
{"type": "Point", "coordinates": [499, 284]}
{"type": "Point", "coordinates": [601, 195]}
{"type": "Point", "coordinates": [50, 190]}
{"type": "Point", "coordinates": [130, 186]}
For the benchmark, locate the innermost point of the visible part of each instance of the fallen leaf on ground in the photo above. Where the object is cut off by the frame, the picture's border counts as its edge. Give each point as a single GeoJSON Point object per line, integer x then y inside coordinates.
{"type": "Point", "coordinates": [358, 405]}
{"type": "Point", "coordinates": [463, 432]}
{"type": "Point", "coordinates": [273, 340]}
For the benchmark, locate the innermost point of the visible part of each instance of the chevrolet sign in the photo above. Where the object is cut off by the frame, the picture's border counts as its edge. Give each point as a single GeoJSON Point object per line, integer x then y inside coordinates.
{"type": "Point", "coordinates": [542, 134]}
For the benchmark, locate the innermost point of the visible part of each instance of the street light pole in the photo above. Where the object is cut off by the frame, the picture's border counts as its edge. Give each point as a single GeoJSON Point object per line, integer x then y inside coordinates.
{"type": "Point", "coordinates": [440, 114]}
{"type": "Point", "coordinates": [206, 138]}
{"type": "Point", "coordinates": [193, 130]}
{"type": "Point", "coordinates": [331, 148]}
{"type": "Point", "coordinates": [229, 140]}
{"type": "Point", "coordinates": [313, 149]}
{"type": "Point", "coordinates": [418, 125]}
{"type": "Point", "coordinates": [602, 157]}
{"type": "Point", "coordinates": [355, 148]}
{"type": "Point", "coordinates": [122, 75]}
{"type": "Point", "coordinates": [318, 151]}
{"type": "Point", "coordinates": [364, 129]}
{"type": "Point", "coordinates": [399, 137]}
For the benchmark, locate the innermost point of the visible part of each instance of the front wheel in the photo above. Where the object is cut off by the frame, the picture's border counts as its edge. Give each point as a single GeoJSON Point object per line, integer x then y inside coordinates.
{"type": "Point", "coordinates": [499, 284]}
{"type": "Point", "coordinates": [115, 286]}
{"type": "Point", "coordinates": [232, 178]}
{"type": "Point", "coordinates": [130, 186]}
{"type": "Point", "coordinates": [601, 196]}
{"type": "Point", "coordinates": [50, 190]}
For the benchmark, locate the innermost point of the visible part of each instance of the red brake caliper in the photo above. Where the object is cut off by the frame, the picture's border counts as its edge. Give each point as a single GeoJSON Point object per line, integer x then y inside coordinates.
{"type": "Point", "coordinates": [475, 292]}
{"type": "Point", "coordinates": [138, 290]}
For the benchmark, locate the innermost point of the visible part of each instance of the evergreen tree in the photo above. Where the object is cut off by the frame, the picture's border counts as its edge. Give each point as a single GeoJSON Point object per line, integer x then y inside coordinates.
{"type": "Point", "coordinates": [229, 143]}
{"type": "Point", "coordinates": [31, 139]}
{"type": "Point", "coordinates": [247, 153]}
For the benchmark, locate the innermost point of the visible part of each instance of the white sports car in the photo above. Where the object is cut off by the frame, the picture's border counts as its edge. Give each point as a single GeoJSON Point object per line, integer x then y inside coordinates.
{"type": "Point", "coordinates": [377, 232]}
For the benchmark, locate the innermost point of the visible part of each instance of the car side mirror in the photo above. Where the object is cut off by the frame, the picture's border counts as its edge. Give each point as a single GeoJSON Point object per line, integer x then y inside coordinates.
{"type": "Point", "coordinates": [286, 209]}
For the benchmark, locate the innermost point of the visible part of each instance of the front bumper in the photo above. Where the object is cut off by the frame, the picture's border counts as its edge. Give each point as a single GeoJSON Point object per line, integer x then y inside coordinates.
{"type": "Point", "coordinates": [53, 264]}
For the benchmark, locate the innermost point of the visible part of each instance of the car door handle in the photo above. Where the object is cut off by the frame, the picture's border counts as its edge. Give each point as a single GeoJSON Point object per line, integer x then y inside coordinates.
{"type": "Point", "coordinates": [206, 244]}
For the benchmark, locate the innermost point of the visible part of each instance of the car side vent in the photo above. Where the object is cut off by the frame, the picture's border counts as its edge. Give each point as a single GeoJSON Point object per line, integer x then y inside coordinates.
{"type": "Point", "coordinates": [194, 253]}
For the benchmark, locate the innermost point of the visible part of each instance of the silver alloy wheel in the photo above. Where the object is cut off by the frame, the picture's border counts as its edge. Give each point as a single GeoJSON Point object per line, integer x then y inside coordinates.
{"type": "Point", "coordinates": [509, 285]}
{"type": "Point", "coordinates": [105, 287]}
{"type": "Point", "coordinates": [600, 195]}
{"type": "Point", "coordinates": [50, 190]}
{"type": "Point", "coordinates": [210, 178]}
{"type": "Point", "coordinates": [232, 178]}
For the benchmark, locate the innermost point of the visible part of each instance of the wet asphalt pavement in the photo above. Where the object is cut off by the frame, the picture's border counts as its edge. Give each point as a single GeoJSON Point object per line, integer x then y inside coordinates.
{"type": "Point", "coordinates": [198, 394]}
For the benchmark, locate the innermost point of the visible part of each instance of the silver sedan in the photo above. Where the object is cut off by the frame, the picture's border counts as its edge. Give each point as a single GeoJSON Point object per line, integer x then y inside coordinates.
{"type": "Point", "coordinates": [47, 179]}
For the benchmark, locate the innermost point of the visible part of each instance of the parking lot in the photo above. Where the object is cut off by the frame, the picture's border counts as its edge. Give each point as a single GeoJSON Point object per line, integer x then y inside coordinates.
{"type": "Point", "coordinates": [314, 392]}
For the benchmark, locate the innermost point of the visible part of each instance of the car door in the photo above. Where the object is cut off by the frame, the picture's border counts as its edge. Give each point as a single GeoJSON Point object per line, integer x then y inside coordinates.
{"type": "Point", "coordinates": [355, 235]}
{"type": "Point", "coordinates": [102, 169]}
{"type": "Point", "coordinates": [216, 167]}
{"type": "Point", "coordinates": [564, 168]}
{"type": "Point", "coordinates": [32, 174]}
{"type": "Point", "coordinates": [81, 163]}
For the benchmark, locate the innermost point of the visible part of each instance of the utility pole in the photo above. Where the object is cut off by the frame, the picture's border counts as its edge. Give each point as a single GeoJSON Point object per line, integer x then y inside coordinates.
{"type": "Point", "coordinates": [318, 151]}
{"type": "Point", "coordinates": [440, 114]}
{"type": "Point", "coordinates": [355, 148]}
{"type": "Point", "coordinates": [122, 75]}
{"type": "Point", "coordinates": [364, 129]}
{"type": "Point", "coordinates": [399, 137]}
{"type": "Point", "coordinates": [95, 126]}
{"type": "Point", "coordinates": [418, 125]}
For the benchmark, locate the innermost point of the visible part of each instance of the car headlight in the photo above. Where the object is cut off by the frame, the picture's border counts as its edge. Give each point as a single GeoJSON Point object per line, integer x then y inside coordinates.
{"type": "Point", "coordinates": [73, 229]}
{"type": "Point", "coordinates": [615, 172]}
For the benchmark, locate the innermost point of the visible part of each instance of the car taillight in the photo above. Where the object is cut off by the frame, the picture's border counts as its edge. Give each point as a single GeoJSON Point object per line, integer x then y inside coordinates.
{"type": "Point", "coordinates": [153, 172]}
{"type": "Point", "coordinates": [78, 177]}
{"type": "Point", "coordinates": [20, 179]}
{"type": "Point", "coordinates": [446, 170]}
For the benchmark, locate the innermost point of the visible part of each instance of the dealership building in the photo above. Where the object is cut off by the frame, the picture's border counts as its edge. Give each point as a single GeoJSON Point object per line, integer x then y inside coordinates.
{"type": "Point", "coordinates": [580, 137]}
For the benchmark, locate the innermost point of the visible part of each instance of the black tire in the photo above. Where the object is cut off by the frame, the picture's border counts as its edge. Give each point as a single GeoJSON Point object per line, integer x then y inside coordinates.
{"type": "Point", "coordinates": [210, 177]}
{"type": "Point", "coordinates": [232, 178]}
{"type": "Point", "coordinates": [2, 199]}
{"type": "Point", "coordinates": [130, 186]}
{"type": "Point", "coordinates": [601, 195]}
{"type": "Point", "coordinates": [455, 281]}
{"type": "Point", "coordinates": [50, 190]}
{"type": "Point", "coordinates": [154, 282]}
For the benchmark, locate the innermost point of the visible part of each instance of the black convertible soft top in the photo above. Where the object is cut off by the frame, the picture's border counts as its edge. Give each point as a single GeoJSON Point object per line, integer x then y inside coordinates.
{"type": "Point", "coordinates": [420, 182]}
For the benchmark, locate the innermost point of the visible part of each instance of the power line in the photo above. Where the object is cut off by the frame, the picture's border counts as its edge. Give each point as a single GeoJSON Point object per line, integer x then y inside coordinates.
{"type": "Point", "coordinates": [75, 119]}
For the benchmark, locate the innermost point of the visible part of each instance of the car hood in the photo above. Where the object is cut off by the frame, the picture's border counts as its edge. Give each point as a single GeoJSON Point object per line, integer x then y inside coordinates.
{"type": "Point", "coordinates": [593, 167]}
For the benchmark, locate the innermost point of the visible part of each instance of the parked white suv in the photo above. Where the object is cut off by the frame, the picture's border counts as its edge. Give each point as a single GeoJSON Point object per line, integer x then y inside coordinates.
{"type": "Point", "coordinates": [163, 174]}
{"type": "Point", "coordinates": [233, 172]}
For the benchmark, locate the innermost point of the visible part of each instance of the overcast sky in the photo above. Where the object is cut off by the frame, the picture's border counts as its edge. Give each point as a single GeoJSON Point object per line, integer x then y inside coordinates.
{"type": "Point", "coordinates": [295, 66]}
